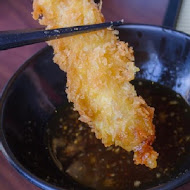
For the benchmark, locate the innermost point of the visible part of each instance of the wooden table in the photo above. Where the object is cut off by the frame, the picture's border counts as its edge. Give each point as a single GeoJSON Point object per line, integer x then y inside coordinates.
{"type": "Point", "coordinates": [16, 14]}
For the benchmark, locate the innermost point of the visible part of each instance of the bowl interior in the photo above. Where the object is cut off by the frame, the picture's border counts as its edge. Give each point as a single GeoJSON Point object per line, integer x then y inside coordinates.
{"type": "Point", "coordinates": [38, 88]}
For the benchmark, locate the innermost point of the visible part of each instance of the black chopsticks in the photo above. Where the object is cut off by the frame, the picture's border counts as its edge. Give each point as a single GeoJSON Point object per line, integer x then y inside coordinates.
{"type": "Point", "coordinates": [17, 38]}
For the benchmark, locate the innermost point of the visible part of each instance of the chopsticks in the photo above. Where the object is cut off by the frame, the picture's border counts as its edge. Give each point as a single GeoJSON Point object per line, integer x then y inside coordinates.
{"type": "Point", "coordinates": [17, 38]}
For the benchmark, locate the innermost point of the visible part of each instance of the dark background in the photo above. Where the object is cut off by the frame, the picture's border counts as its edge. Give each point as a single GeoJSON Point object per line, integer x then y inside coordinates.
{"type": "Point", "coordinates": [16, 14]}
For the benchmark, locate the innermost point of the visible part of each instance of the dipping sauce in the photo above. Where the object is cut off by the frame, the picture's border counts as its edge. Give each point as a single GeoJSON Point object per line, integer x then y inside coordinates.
{"type": "Point", "coordinates": [76, 151]}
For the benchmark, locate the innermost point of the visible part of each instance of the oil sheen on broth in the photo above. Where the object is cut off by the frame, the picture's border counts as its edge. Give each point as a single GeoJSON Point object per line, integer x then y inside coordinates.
{"type": "Point", "coordinates": [77, 152]}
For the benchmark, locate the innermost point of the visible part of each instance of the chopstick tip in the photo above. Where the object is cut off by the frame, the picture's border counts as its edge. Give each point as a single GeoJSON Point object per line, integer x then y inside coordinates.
{"type": "Point", "coordinates": [117, 23]}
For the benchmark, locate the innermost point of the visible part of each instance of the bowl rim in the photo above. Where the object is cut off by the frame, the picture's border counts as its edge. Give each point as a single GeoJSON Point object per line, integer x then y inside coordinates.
{"type": "Point", "coordinates": [184, 178]}
{"type": "Point", "coordinates": [5, 147]}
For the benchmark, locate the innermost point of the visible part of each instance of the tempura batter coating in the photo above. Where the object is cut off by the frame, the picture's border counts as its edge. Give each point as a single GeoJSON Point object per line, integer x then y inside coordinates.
{"type": "Point", "coordinates": [99, 68]}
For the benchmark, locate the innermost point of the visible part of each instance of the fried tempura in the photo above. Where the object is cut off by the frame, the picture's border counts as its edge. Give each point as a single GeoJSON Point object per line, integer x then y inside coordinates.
{"type": "Point", "coordinates": [99, 69]}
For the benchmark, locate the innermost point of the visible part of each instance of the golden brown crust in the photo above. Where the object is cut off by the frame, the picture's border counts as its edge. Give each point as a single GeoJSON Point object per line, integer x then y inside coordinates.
{"type": "Point", "coordinates": [99, 70]}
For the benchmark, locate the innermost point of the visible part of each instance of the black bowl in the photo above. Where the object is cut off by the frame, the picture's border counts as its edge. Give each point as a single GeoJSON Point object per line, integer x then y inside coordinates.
{"type": "Point", "coordinates": [38, 88]}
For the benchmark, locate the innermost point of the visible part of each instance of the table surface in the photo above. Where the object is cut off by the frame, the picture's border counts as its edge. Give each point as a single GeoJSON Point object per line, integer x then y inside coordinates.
{"type": "Point", "coordinates": [17, 15]}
